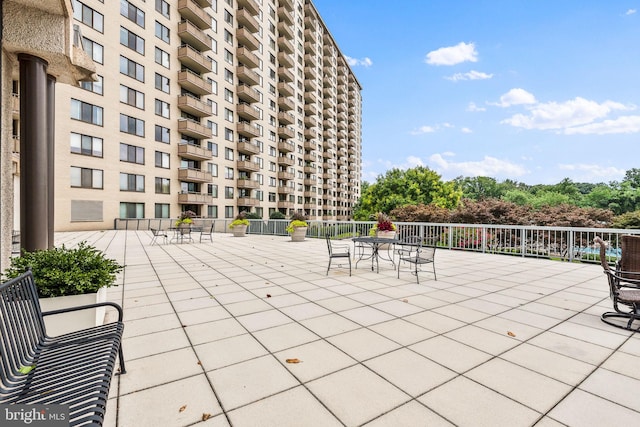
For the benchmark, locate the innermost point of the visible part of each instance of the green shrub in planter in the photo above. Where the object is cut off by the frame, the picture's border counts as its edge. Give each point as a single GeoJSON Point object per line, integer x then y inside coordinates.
{"type": "Point", "coordinates": [63, 271]}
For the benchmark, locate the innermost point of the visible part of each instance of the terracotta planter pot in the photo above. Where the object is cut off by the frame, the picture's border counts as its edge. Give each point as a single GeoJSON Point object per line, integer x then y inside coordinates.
{"type": "Point", "coordinates": [239, 230]}
{"type": "Point", "coordinates": [298, 234]}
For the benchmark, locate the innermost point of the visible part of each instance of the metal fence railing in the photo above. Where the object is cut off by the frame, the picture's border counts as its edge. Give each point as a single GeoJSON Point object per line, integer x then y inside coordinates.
{"type": "Point", "coordinates": [563, 243]}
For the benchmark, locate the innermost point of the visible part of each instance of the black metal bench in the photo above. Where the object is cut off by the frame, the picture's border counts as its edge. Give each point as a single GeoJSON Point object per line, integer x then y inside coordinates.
{"type": "Point", "coordinates": [74, 369]}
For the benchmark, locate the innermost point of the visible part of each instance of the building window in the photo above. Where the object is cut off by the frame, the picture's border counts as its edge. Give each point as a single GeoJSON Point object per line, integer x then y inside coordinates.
{"type": "Point", "coordinates": [228, 17]}
{"type": "Point", "coordinates": [228, 37]}
{"type": "Point", "coordinates": [85, 144]}
{"type": "Point", "coordinates": [228, 134]}
{"type": "Point", "coordinates": [131, 210]}
{"type": "Point", "coordinates": [162, 32]}
{"type": "Point", "coordinates": [162, 134]}
{"type": "Point", "coordinates": [228, 173]}
{"type": "Point", "coordinates": [86, 112]}
{"type": "Point", "coordinates": [131, 69]}
{"type": "Point", "coordinates": [213, 147]}
{"type": "Point", "coordinates": [272, 197]}
{"type": "Point", "coordinates": [212, 190]}
{"type": "Point", "coordinates": [95, 87]}
{"type": "Point", "coordinates": [228, 95]}
{"type": "Point", "coordinates": [131, 182]}
{"type": "Point", "coordinates": [131, 154]}
{"type": "Point", "coordinates": [131, 125]}
{"type": "Point", "coordinates": [228, 115]}
{"type": "Point", "coordinates": [162, 83]}
{"type": "Point", "coordinates": [162, 109]}
{"type": "Point", "coordinates": [228, 76]}
{"type": "Point", "coordinates": [228, 211]}
{"type": "Point", "coordinates": [162, 160]}
{"type": "Point", "coordinates": [162, 57]}
{"type": "Point", "coordinates": [131, 97]}
{"type": "Point", "coordinates": [163, 8]}
{"type": "Point", "coordinates": [162, 210]}
{"type": "Point", "coordinates": [212, 211]}
{"type": "Point", "coordinates": [228, 57]}
{"type": "Point", "coordinates": [88, 16]}
{"type": "Point", "coordinates": [162, 186]}
{"type": "Point", "coordinates": [228, 192]}
{"type": "Point", "coordinates": [131, 40]}
{"type": "Point", "coordinates": [213, 169]}
{"type": "Point", "coordinates": [94, 50]}
{"type": "Point", "coordinates": [132, 13]}
{"type": "Point", "coordinates": [86, 178]}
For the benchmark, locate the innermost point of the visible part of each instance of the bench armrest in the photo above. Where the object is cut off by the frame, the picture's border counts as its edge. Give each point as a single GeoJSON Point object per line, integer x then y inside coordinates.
{"type": "Point", "coordinates": [85, 307]}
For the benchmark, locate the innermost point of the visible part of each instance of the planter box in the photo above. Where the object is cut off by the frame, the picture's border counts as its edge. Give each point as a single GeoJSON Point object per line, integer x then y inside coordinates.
{"type": "Point", "coordinates": [385, 235]}
{"type": "Point", "coordinates": [298, 234]}
{"type": "Point", "coordinates": [239, 230]}
{"type": "Point", "coordinates": [68, 322]}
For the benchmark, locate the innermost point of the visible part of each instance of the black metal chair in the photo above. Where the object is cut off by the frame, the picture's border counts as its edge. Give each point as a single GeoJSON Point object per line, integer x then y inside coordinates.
{"type": "Point", "coordinates": [417, 255]}
{"type": "Point", "coordinates": [338, 251]}
{"type": "Point", "coordinates": [624, 290]}
{"type": "Point", "coordinates": [157, 234]}
{"type": "Point", "coordinates": [208, 232]}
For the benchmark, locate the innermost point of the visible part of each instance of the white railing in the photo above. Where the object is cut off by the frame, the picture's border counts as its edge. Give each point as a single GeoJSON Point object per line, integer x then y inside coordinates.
{"type": "Point", "coordinates": [562, 243]}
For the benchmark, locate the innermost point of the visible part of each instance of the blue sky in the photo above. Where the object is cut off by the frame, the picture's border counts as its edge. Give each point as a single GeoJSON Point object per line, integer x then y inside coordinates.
{"type": "Point", "coordinates": [530, 90]}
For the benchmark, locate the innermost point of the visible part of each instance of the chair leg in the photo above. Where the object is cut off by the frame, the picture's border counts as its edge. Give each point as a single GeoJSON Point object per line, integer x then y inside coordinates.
{"type": "Point", "coordinates": [417, 276]}
{"type": "Point", "coordinates": [329, 266]}
{"type": "Point", "coordinates": [349, 265]}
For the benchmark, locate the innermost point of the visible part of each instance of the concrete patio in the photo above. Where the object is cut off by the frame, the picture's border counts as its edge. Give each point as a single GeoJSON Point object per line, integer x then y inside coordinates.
{"type": "Point", "coordinates": [495, 341]}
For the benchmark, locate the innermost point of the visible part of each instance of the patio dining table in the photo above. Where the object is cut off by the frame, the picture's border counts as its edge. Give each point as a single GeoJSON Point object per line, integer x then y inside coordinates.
{"type": "Point", "coordinates": [376, 244]}
{"type": "Point", "coordinates": [180, 234]}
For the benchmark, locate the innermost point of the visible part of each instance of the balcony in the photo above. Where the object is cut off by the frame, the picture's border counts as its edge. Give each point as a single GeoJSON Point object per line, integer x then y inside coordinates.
{"type": "Point", "coordinates": [248, 130]}
{"type": "Point", "coordinates": [285, 189]}
{"type": "Point", "coordinates": [310, 46]}
{"type": "Point", "coordinates": [248, 58]}
{"type": "Point", "coordinates": [285, 89]}
{"type": "Point", "coordinates": [194, 152]}
{"type": "Point", "coordinates": [284, 160]}
{"type": "Point", "coordinates": [286, 147]}
{"type": "Point", "coordinates": [247, 75]}
{"type": "Point", "coordinates": [310, 169]}
{"type": "Point", "coordinates": [247, 183]}
{"type": "Point", "coordinates": [285, 74]}
{"type": "Point", "coordinates": [310, 60]}
{"type": "Point", "coordinates": [194, 199]}
{"type": "Point", "coordinates": [284, 59]}
{"type": "Point", "coordinates": [285, 103]}
{"type": "Point", "coordinates": [284, 204]}
{"type": "Point", "coordinates": [193, 175]}
{"type": "Point", "coordinates": [310, 145]}
{"type": "Point", "coordinates": [285, 30]}
{"type": "Point", "coordinates": [285, 175]}
{"type": "Point", "coordinates": [248, 94]}
{"type": "Point", "coordinates": [194, 129]}
{"type": "Point", "coordinates": [310, 133]}
{"type": "Point", "coordinates": [194, 83]}
{"type": "Point", "coordinates": [286, 132]}
{"type": "Point", "coordinates": [192, 11]}
{"type": "Point", "coordinates": [285, 45]}
{"type": "Point", "coordinates": [310, 181]}
{"type": "Point", "coordinates": [310, 85]}
{"type": "Point", "coordinates": [194, 59]}
{"type": "Point", "coordinates": [247, 147]}
{"type": "Point", "coordinates": [248, 201]}
{"type": "Point", "coordinates": [310, 73]}
{"type": "Point", "coordinates": [246, 19]}
{"type": "Point", "coordinates": [310, 97]}
{"type": "Point", "coordinates": [247, 166]}
{"type": "Point", "coordinates": [310, 121]}
{"type": "Point", "coordinates": [247, 39]}
{"type": "Point", "coordinates": [285, 15]}
{"type": "Point", "coordinates": [248, 112]}
{"type": "Point", "coordinates": [285, 118]}
{"type": "Point", "coordinates": [310, 34]}
{"type": "Point", "coordinates": [251, 5]}
{"type": "Point", "coordinates": [194, 36]}
{"type": "Point", "coordinates": [310, 108]}
{"type": "Point", "coordinates": [193, 106]}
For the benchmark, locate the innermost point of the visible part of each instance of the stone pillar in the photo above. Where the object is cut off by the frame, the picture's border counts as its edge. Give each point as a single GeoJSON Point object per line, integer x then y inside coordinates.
{"type": "Point", "coordinates": [34, 157]}
{"type": "Point", "coordinates": [51, 145]}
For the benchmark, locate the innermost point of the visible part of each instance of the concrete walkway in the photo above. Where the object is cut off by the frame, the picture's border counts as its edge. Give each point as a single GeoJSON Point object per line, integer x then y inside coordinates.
{"type": "Point", "coordinates": [495, 341]}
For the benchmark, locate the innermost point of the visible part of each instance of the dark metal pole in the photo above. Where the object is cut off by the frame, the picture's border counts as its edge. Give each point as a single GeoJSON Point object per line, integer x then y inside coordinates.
{"type": "Point", "coordinates": [51, 146]}
{"type": "Point", "coordinates": [33, 153]}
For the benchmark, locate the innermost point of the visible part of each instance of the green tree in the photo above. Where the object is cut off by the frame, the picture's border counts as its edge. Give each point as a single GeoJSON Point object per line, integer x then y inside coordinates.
{"type": "Point", "coordinates": [632, 176]}
{"type": "Point", "coordinates": [396, 188]}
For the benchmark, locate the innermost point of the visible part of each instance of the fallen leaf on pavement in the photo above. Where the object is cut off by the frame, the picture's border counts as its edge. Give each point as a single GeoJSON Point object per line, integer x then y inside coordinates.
{"type": "Point", "coordinates": [182, 408]}
{"type": "Point", "coordinates": [292, 360]}
{"type": "Point", "coordinates": [205, 417]}
{"type": "Point", "coordinates": [511, 334]}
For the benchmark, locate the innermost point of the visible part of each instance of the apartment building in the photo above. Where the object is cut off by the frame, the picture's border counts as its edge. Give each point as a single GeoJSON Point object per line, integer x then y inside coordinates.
{"type": "Point", "coordinates": [213, 106]}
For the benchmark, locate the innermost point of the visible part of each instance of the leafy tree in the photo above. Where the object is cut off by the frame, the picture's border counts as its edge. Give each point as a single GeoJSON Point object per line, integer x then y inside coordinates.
{"type": "Point", "coordinates": [627, 220]}
{"type": "Point", "coordinates": [632, 176]}
{"type": "Point", "coordinates": [397, 188]}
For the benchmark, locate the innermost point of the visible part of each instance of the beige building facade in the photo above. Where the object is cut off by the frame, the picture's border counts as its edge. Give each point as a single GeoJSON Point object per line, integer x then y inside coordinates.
{"type": "Point", "coordinates": [212, 106]}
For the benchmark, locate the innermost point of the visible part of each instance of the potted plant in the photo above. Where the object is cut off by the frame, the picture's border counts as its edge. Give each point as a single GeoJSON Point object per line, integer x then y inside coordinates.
{"type": "Point", "coordinates": [239, 225]}
{"type": "Point", "coordinates": [68, 277]}
{"type": "Point", "coordinates": [185, 219]}
{"type": "Point", "coordinates": [384, 227]}
{"type": "Point", "coordinates": [297, 227]}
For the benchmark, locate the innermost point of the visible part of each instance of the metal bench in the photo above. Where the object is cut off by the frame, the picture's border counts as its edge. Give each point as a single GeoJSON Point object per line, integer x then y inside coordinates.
{"type": "Point", "coordinates": [73, 369]}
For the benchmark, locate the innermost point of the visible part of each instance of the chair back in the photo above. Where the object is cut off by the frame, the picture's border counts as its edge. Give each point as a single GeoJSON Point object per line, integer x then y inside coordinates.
{"type": "Point", "coordinates": [629, 265]}
{"type": "Point", "coordinates": [329, 248]}
{"type": "Point", "coordinates": [614, 280]}
{"type": "Point", "coordinates": [426, 252]}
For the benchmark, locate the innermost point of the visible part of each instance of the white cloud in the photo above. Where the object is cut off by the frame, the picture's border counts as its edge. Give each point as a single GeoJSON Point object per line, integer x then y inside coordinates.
{"type": "Point", "coordinates": [466, 130]}
{"type": "Point", "coordinates": [354, 62]}
{"type": "Point", "coordinates": [414, 161]}
{"type": "Point", "coordinates": [624, 124]}
{"type": "Point", "coordinates": [594, 172]}
{"type": "Point", "coordinates": [516, 96]}
{"type": "Point", "coordinates": [473, 107]}
{"type": "Point", "coordinates": [423, 129]}
{"type": "Point", "coordinates": [471, 75]}
{"type": "Point", "coordinates": [555, 115]}
{"type": "Point", "coordinates": [453, 55]}
{"type": "Point", "coordinates": [630, 12]}
{"type": "Point", "coordinates": [488, 166]}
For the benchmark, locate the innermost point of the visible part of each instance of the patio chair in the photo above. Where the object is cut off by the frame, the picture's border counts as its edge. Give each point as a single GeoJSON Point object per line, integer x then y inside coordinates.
{"type": "Point", "coordinates": [624, 291]}
{"type": "Point", "coordinates": [157, 234]}
{"type": "Point", "coordinates": [337, 250]}
{"type": "Point", "coordinates": [207, 232]}
{"type": "Point", "coordinates": [417, 255]}
{"type": "Point", "coordinates": [629, 264]}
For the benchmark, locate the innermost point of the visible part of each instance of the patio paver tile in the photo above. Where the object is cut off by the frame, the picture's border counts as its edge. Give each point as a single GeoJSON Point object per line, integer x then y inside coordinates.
{"type": "Point", "coordinates": [410, 414]}
{"type": "Point", "coordinates": [362, 344]}
{"type": "Point", "coordinates": [587, 410]}
{"type": "Point", "coordinates": [440, 349]}
{"type": "Point", "coordinates": [317, 359]}
{"type": "Point", "coordinates": [228, 351]}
